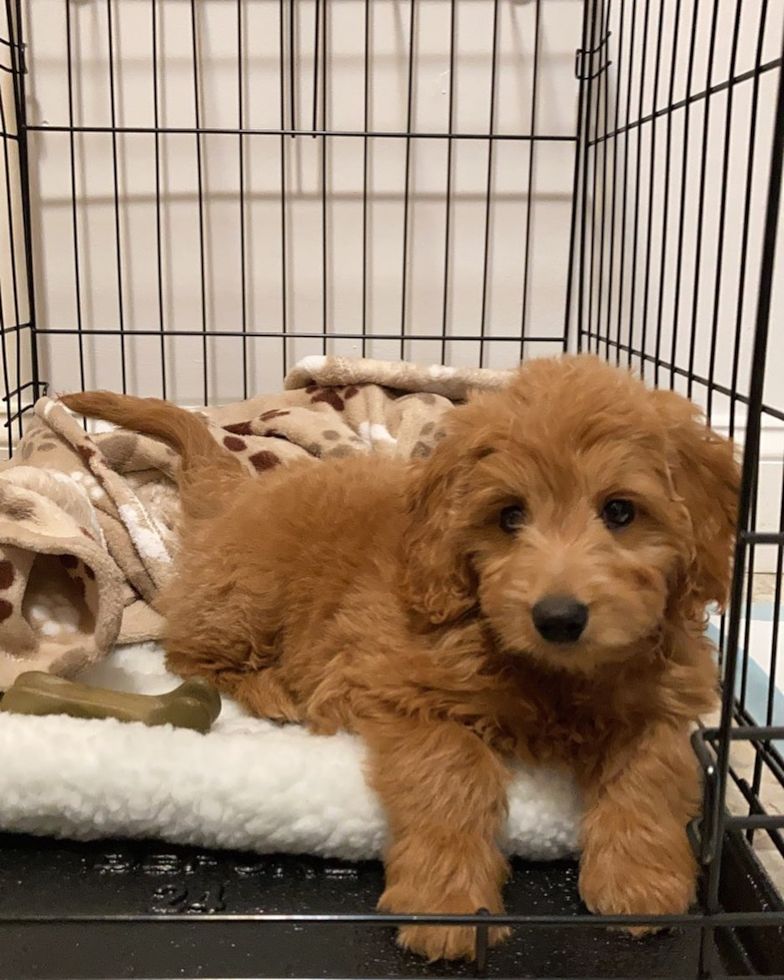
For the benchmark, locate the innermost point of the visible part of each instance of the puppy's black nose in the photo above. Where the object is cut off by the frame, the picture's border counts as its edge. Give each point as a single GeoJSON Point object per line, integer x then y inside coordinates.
{"type": "Point", "coordinates": [560, 618]}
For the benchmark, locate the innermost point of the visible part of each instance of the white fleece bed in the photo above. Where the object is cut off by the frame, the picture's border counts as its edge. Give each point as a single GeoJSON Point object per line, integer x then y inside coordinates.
{"type": "Point", "coordinates": [248, 784]}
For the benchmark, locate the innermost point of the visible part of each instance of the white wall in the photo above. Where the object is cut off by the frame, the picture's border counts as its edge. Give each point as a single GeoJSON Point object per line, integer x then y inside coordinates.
{"type": "Point", "coordinates": [302, 204]}
{"type": "Point", "coordinates": [649, 201]}
{"type": "Point", "coordinates": [646, 165]}
{"type": "Point", "coordinates": [326, 198]}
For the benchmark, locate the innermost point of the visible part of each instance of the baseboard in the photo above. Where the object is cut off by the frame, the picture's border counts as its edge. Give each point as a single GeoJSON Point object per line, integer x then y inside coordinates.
{"type": "Point", "coordinates": [772, 435]}
{"type": "Point", "coordinates": [771, 480]}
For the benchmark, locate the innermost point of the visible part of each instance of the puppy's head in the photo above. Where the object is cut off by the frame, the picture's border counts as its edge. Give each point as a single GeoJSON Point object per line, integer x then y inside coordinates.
{"type": "Point", "coordinates": [577, 511]}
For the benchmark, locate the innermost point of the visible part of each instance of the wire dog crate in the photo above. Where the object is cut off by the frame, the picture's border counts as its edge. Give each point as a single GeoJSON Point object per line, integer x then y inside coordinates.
{"type": "Point", "coordinates": [199, 193]}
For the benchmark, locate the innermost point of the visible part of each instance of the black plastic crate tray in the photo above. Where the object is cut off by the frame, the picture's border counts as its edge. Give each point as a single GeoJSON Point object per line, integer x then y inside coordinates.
{"type": "Point", "coordinates": [123, 880]}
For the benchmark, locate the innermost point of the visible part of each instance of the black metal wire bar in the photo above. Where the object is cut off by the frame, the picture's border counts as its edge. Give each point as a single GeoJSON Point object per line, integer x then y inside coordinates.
{"type": "Point", "coordinates": [749, 477]}
{"type": "Point", "coordinates": [721, 640]}
{"type": "Point", "coordinates": [17, 393]}
{"type": "Point", "coordinates": [613, 195]}
{"type": "Point", "coordinates": [74, 211]}
{"type": "Point", "coordinates": [696, 97]}
{"type": "Point", "coordinates": [316, 45]}
{"type": "Point", "coordinates": [575, 270]}
{"type": "Point", "coordinates": [158, 223]}
{"type": "Point", "coordinates": [21, 388]}
{"type": "Point", "coordinates": [652, 183]}
{"type": "Point", "coordinates": [744, 248]}
{"type": "Point", "coordinates": [694, 920]}
{"type": "Point", "coordinates": [765, 537]}
{"type": "Point", "coordinates": [292, 59]}
{"type": "Point", "coordinates": [750, 562]}
{"type": "Point", "coordinates": [17, 417]}
{"type": "Point", "coordinates": [756, 807]}
{"type": "Point", "coordinates": [637, 182]}
{"type": "Point", "coordinates": [21, 411]}
{"type": "Point", "coordinates": [365, 176]}
{"type": "Point", "coordinates": [3, 334]}
{"type": "Point", "coordinates": [15, 327]}
{"type": "Point", "coordinates": [756, 821]}
{"type": "Point", "coordinates": [116, 193]}
{"type": "Point", "coordinates": [289, 131]}
{"type": "Point", "coordinates": [407, 187]}
{"type": "Point", "coordinates": [530, 195]}
{"type": "Point", "coordinates": [599, 24]}
{"type": "Point", "coordinates": [714, 334]}
{"type": "Point", "coordinates": [10, 216]}
{"type": "Point", "coordinates": [666, 195]}
{"type": "Point", "coordinates": [751, 552]}
{"type": "Point", "coordinates": [14, 279]}
{"type": "Point", "coordinates": [772, 757]}
{"type": "Point", "coordinates": [323, 153]}
{"type": "Point", "coordinates": [747, 732]}
{"type": "Point", "coordinates": [625, 192]}
{"type": "Point", "coordinates": [489, 191]}
{"type": "Point", "coordinates": [725, 176]}
{"type": "Point", "coordinates": [774, 641]}
{"type": "Point", "coordinates": [283, 180]}
{"type": "Point", "coordinates": [695, 299]}
{"type": "Point", "coordinates": [481, 946]}
{"type": "Point", "coordinates": [200, 195]}
{"type": "Point", "coordinates": [604, 151]}
{"type": "Point", "coordinates": [676, 303]}
{"type": "Point", "coordinates": [241, 202]}
{"type": "Point", "coordinates": [448, 194]}
{"type": "Point", "coordinates": [343, 335]}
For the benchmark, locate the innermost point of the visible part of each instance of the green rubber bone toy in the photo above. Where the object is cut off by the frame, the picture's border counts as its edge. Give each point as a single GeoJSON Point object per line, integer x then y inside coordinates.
{"type": "Point", "coordinates": [195, 704]}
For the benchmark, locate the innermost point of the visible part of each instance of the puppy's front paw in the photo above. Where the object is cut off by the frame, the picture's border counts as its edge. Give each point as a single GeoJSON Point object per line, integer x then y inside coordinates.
{"type": "Point", "coordinates": [629, 888]}
{"type": "Point", "coordinates": [442, 942]}
{"type": "Point", "coordinates": [446, 942]}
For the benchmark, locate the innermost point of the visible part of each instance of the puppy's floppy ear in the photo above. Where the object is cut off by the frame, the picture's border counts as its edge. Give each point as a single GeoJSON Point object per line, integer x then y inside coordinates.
{"type": "Point", "coordinates": [437, 575]}
{"type": "Point", "coordinates": [706, 476]}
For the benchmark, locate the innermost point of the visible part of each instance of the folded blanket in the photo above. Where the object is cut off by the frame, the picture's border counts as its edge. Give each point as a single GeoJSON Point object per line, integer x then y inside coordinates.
{"type": "Point", "coordinates": [248, 784]}
{"type": "Point", "coordinates": [88, 523]}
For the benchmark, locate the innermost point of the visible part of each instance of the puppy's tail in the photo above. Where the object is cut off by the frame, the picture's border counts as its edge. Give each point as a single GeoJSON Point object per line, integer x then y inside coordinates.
{"type": "Point", "coordinates": [206, 471]}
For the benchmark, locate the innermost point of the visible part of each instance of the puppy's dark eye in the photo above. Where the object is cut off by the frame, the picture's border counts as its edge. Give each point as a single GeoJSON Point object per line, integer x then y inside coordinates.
{"type": "Point", "coordinates": [618, 513]}
{"type": "Point", "coordinates": [511, 519]}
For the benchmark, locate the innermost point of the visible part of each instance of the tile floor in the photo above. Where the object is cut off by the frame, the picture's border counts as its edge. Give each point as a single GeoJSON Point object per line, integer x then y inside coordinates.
{"type": "Point", "coordinates": [743, 757]}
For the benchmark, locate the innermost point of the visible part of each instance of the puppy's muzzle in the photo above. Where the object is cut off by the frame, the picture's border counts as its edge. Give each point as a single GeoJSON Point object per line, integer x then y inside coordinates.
{"type": "Point", "coordinates": [560, 618]}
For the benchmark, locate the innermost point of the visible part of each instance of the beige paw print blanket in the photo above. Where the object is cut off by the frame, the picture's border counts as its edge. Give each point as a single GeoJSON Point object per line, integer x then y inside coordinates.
{"type": "Point", "coordinates": [88, 522]}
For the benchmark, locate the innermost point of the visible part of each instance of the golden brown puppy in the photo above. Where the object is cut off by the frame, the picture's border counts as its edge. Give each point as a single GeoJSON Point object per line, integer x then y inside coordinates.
{"type": "Point", "coordinates": [536, 588]}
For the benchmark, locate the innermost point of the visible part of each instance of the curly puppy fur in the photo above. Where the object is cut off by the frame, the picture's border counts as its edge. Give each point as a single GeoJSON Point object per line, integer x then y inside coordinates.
{"type": "Point", "coordinates": [397, 600]}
